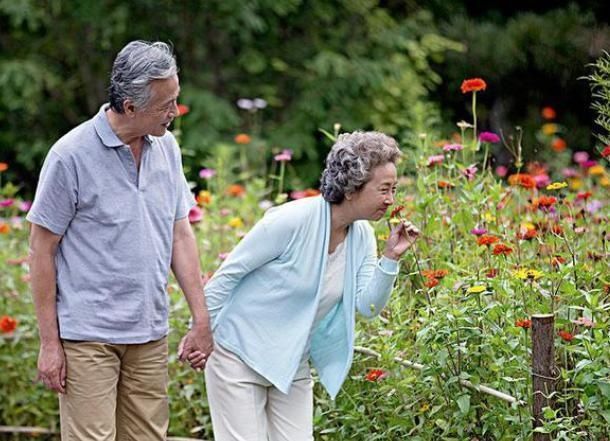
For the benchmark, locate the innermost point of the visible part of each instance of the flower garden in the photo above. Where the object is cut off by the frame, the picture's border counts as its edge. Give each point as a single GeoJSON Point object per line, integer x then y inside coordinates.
{"type": "Point", "coordinates": [500, 245]}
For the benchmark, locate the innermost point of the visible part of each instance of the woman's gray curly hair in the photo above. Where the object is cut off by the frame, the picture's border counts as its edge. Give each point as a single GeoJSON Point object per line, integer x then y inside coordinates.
{"type": "Point", "coordinates": [135, 67]}
{"type": "Point", "coordinates": [351, 161]}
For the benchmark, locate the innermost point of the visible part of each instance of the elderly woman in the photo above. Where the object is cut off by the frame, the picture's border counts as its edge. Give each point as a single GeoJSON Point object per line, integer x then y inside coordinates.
{"type": "Point", "coordinates": [288, 294]}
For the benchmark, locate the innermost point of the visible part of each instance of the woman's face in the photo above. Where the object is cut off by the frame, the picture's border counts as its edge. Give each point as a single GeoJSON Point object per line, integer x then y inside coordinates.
{"type": "Point", "coordinates": [373, 200]}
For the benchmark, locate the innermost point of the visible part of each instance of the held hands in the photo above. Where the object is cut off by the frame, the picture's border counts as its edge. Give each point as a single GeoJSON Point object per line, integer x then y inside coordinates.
{"type": "Point", "coordinates": [402, 236]}
{"type": "Point", "coordinates": [196, 346]}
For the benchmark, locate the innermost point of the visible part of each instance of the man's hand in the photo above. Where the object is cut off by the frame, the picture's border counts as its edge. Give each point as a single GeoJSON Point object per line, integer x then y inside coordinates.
{"type": "Point", "coordinates": [52, 367]}
{"type": "Point", "coordinates": [196, 346]}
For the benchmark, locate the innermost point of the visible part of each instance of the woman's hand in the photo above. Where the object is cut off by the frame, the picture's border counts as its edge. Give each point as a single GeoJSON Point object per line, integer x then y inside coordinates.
{"type": "Point", "coordinates": [402, 237]}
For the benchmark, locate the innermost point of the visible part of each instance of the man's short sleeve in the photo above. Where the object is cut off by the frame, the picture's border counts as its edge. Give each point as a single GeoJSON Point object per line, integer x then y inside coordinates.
{"type": "Point", "coordinates": [56, 197]}
{"type": "Point", "coordinates": [185, 200]}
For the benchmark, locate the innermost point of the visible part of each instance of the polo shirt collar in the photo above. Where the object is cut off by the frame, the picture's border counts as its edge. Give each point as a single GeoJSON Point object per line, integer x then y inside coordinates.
{"type": "Point", "coordinates": [105, 132]}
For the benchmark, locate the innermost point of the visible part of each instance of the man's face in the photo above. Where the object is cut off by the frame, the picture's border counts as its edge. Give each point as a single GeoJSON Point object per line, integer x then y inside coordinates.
{"type": "Point", "coordinates": [155, 118]}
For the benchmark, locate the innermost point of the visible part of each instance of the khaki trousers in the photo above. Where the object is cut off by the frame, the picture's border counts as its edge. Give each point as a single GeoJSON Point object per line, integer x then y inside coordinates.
{"type": "Point", "coordinates": [115, 392]}
{"type": "Point", "coordinates": [246, 407]}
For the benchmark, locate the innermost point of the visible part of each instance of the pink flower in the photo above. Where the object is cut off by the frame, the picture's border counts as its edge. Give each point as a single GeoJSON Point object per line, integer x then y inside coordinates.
{"type": "Point", "coordinates": [453, 147]}
{"type": "Point", "coordinates": [588, 164]}
{"type": "Point", "coordinates": [489, 137]}
{"type": "Point", "coordinates": [195, 215]}
{"type": "Point", "coordinates": [569, 172]}
{"type": "Point", "coordinates": [580, 157]}
{"type": "Point", "coordinates": [207, 173]}
{"type": "Point", "coordinates": [223, 256]}
{"type": "Point", "coordinates": [435, 160]}
{"type": "Point", "coordinates": [501, 171]}
{"type": "Point", "coordinates": [470, 172]}
{"type": "Point", "coordinates": [585, 321]}
{"type": "Point", "coordinates": [286, 155]}
{"type": "Point", "coordinates": [542, 180]}
{"type": "Point", "coordinates": [6, 202]}
{"type": "Point", "coordinates": [478, 231]}
{"type": "Point", "coordinates": [25, 205]}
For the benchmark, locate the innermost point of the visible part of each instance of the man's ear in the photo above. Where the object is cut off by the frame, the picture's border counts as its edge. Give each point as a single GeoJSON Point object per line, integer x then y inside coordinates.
{"type": "Point", "coordinates": [129, 107]}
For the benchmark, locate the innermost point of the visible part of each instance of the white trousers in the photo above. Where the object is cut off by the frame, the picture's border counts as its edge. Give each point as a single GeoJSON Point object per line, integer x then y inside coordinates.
{"type": "Point", "coordinates": [246, 407]}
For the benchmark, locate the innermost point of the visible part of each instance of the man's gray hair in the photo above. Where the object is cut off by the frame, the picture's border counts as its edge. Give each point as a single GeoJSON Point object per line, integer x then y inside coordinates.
{"type": "Point", "coordinates": [351, 161]}
{"type": "Point", "coordinates": [135, 67]}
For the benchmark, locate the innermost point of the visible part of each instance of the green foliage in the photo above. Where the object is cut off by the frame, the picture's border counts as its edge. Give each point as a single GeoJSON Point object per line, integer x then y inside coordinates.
{"type": "Point", "coordinates": [600, 84]}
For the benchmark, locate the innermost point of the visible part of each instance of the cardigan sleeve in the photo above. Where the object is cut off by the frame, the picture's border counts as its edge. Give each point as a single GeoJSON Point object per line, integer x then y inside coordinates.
{"type": "Point", "coordinates": [374, 280]}
{"type": "Point", "coordinates": [267, 240]}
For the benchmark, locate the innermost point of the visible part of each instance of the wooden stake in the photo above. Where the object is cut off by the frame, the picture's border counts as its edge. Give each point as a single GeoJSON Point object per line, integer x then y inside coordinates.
{"type": "Point", "coordinates": [543, 357]}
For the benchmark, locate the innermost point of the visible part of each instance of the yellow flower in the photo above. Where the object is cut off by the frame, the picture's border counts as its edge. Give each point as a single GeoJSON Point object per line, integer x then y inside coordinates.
{"type": "Point", "coordinates": [556, 186]}
{"type": "Point", "coordinates": [489, 217]}
{"type": "Point", "coordinates": [527, 226]}
{"type": "Point", "coordinates": [204, 197]}
{"type": "Point", "coordinates": [383, 237]}
{"type": "Point", "coordinates": [597, 170]}
{"type": "Point", "coordinates": [550, 129]}
{"type": "Point", "coordinates": [528, 274]}
{"type": "Point", "coordinates": [424, 407]}
{"type": "Point", "coordinates": [605, 181]}
{"type": "Point", "coordinates": [235, 222]}
{"type": "Point", "coordinates": [476, 289]}
{"type": "Point", "coordinates": [575, 184]}
{"type": "Point", "coordinates": [394, 221]}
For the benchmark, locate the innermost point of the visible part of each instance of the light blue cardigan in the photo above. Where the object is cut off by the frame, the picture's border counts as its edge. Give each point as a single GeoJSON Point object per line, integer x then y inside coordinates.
{"type": "Point", "coordinates": [264, 297]}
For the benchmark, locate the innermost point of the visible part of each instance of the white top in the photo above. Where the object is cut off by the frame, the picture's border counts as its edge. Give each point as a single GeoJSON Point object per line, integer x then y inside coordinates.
{"type": "Point", "coordinates": [332, 288]}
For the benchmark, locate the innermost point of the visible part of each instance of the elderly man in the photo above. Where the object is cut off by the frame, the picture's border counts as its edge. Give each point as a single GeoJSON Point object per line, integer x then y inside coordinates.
{"type": "Point", "coordinates": [109, 218]}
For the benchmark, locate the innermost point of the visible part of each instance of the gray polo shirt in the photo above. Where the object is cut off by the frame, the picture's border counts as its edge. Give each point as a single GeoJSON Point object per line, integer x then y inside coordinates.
{"type": "Point", "coordinates": [117, 225]}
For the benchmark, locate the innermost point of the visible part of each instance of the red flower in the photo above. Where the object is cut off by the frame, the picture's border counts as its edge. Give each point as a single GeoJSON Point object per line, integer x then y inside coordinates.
{"type": "Point", "coordinates": [556, 229]}
{"type": "Point", "coordinates": [473, 85]}
{"type": "Point", "coordinates": [502, 249]}
{"type": "Point", "coordinates": [375, 375]}
{"type": "Point", "coordinates": [523, 323]}
{"type": "Point", "coordinates": [559, 144]}
{"type": "Point", "coordinates": [557, 261]}
{"type": "Point", "coordinates": [522, 180]}
{"type": "Point", "coordinates": [7, 324]}
{"type": "Point", "coordinates": [396, 211]}
{"type": "Point", "coordinates": [583, 196]}
{"type": "Point", "coordinates": [183, 109]}
{"type": "Point", "coordinates": [527, 233]}
{"type": "Point", "coordinates": [436, 274]}
{"type": "Point", "coordinates": [548, 113]}
{"type": "Point", "coordinates": [487, 239]}
{"type": "Point", "coordinates": [546, 201]}
{"type": "Point", "coordinates": [236, 190]}
{"type": "Point", "coordinates": [565, 335]}
{"type": "Point", "coordinates": [491, 273]}
{"type": "Point", "coordinates": [3, 166]}
{"type": "Point", "coordinates": [431, 282]}
{"type": "Point", "coordinates": [606, 151]}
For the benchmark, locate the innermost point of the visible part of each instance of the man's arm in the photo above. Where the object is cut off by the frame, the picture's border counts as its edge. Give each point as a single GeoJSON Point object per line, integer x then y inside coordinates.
{"type": "Point", "coordinates": [51, 358]}
{"type": "Point", "coordinates": [185, 265]}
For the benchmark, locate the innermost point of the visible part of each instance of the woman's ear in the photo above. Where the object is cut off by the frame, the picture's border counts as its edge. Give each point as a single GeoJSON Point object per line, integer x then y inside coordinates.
{"type": "Point", "coordinates": [348, 196]}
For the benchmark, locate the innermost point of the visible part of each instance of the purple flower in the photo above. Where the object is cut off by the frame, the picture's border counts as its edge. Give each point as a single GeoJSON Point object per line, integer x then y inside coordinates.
{"type": "Point", "coordinates": [286, 155]}
{"type": "Point", "coordinates": [588, 164]}
{"type": "Point", "coordinates": [489, 137]}
{"type": "Point", "coordinates": [478, 231]}
{"type": "Point", "coordinates": [207, 173]}
{"type": "Point", "coordinates": [593, 206]}
{"type": "Point", "coordinates": [470, 172]}
{"type": "Point", "coordinates": [453, 147]}
{"type": "Point", "coordinates": [6, 202]}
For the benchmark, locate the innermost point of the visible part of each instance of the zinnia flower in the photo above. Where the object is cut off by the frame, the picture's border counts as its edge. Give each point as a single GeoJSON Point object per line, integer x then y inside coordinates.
{"type": "Point", "coordinates": [470, 172]}
{"type": "Point", "coordinates": [183, 109]}
{"type": "Point", "coordinates": [476, 289]}
{"type": "Point", "coordinates": [6, 202]}
{"type": "Point", "coordinates": [558, 144]}
{"type": "Point", "coordinates": [478, 231]}
{"type": "Point", "coordinates": [605, 152]}
{"type": "Point", "coordinates": [375, 375]}
{"type": "Point", "coordinates": [195, 215]}
{"type": "Point", "coordinates": [524, 323]}
{"type": "Point", "coordinates": [286, 155]}
{"type": "Point", "coordinates": [565, 335]}
{"type": "Point", "coordinates": [528, 274]}
{"type": "Point", "coordinates": [556, 186]}
{"type": "Point", "coordinates": [501, 170]}
{"type": "Point", "coordinates": [435, 160]}
{"type": "Point", "coordinates": [487, 240]}
{"type": "Point", "coordinates": [453, 147]}
{"type": "Point", "coordinates": [204, 197]}
{"type": "Point", "coordinates": [489, 137]}
{"type": "Point", "coordinates": [546, 202]}
{"type": "Point", "coordinates": [3, 166]}
{"type": "Point", "coordinates": [236, 190]}
{"type": "Point", "coordinates": [548, 113]}
{"type": "Point", "coordinates": [207, 173]}
{"type": "Point", "coordinates": [580, 157]}
{"type": "Point", "coordinates": [473, 85]}
{"type": "Point", "coordinates": [235, 222]}
{"type": "Point", "coordinates": [445, 184]}
{"type": "Point", "coordinates": [7, 324]}
{"type": "Point", "coordinates": [522, 180]}
{"type": "Point", "coordinates": [584, 321]}
{"type": "Point", "coordinates": [396, 211]}
{"type": "Point", "coordinates": [501, 249]}
{"type": "Point", "coordinates": [242, 138]}
{"type": "Point", "coordinates": [4, 228]}
{"type": "Point", "coordinates": [431, 282]}
{"type": "Point", "coordinates": [437, 274]}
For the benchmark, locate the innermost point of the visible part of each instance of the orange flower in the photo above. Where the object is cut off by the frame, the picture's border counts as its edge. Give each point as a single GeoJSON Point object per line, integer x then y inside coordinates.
{"type": "Point", "coordinates": [435, 274]}
{"type": "Point", "coordinates": [501, 249]}
{"type": "Point", "coordinates": [527, 233]}
{"type": "Point", "coordinates": [524, 323]}
{"type": "Point", "coordinates": [376, 375]}
{"type": "Point", "coordinates": [473, 85]}
{"type": "Point", "coordinates": [546, 202]}
{"type": "Point", "coordinates": [565, 335]}
{"type": "Point", "coordinates": [3, 166]}
{"type": "Point", "coordinates": [236, 190]}
{"type": "Point", "coordinates": [557, 229]}
{"type": "Point", "coordinates": [557, 260]}
{"type": "Point", "coordinates": [396, 211]}
{"type": "Point", "coordinates": [522, 180]}
{"type": "Point", "coordinates": [242, 138]}
{"type": "Point", "coordinates": [183, 109]}
{"type": "Point", "coordinates": [431, 282]}
{"type": "Point", "coordinates": [548, 113]}
{"type": "Point", "coordinates": [445, 184]}
{"type": "Point", "coordinates": [4, 228]}
{"type": "Point", "coordinates": [7, 324]}
{"type": "Point", "coordinates": [559, 144]}
{"type": "Point", "coordinates": [204, 198]}
{"type": "Point", "coordinates": [491, 273]}
{"type": "Point", "coordinates": [309, 192]}
{"type": "Point", "coordinates": [487, 239]}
